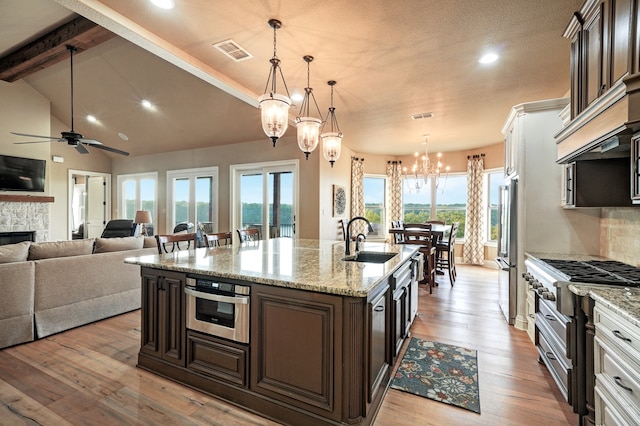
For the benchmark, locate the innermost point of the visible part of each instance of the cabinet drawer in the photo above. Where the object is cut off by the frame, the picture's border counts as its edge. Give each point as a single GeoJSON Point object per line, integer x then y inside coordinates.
{"type": "Point", "coordinates": [559, 370]}
{"type": "Point", "coordinates": [622, 334]}
{"type": "Point", "coordinates": [616, 373]}
{"type": "Point", "coordinates": [218, 359]}
{"type": "Point", "coordinates": [607, 411]}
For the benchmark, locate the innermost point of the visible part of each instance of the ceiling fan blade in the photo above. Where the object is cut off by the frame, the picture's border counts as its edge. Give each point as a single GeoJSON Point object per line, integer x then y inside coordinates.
{"type": "Point", "coordinates": [35, 136]}
{"type": "Point", "coordinates": [23, 142]}
{"type": "Point", "coordinates": [108, 148]}
{"type": "Point", "coordinates": [81, 149]}
{"type": "Point", "coordinates": [89, 141]}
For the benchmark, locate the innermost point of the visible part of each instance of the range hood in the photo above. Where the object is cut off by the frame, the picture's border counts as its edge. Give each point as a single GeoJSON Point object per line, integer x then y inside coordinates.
{"type": "Point", "coordinates": [604, 129]}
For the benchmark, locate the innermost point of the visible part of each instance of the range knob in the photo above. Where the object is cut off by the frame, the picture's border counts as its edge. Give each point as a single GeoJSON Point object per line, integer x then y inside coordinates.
{"type": "Point", "coordinates": [527, 276]}
{"type": "Point", "coordinates": [548, 296]}
{"type": "Point", "coordinates": [536, 284]}
{"type": "Point", "coordinates": [541, 290]}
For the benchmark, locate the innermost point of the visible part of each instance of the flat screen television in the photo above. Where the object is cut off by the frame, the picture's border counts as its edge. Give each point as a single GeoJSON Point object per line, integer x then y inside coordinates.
{"type": "Point", "coordinates": [21, 174]}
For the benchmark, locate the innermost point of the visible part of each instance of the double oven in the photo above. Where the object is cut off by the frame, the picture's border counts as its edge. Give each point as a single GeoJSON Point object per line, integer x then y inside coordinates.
{"type": "Point", "coordinates": [564, 332]}
{"type": "Point", "coordinates": [218, 308]}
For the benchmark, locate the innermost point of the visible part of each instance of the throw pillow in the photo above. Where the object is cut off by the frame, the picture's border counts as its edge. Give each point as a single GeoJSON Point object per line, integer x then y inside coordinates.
{"type": "Point", "coordinates": [60, 249]}
{"type": "Point", "coordinates": [14, 252]}
{"type": "Point", "coordinates": [106, 245]}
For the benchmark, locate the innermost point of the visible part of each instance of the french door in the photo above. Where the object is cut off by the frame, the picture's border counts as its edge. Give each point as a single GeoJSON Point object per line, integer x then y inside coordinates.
{"type": "Point", "coordinates": [265, 197]}
{"type": "Point", "coordinates": [193, 198]}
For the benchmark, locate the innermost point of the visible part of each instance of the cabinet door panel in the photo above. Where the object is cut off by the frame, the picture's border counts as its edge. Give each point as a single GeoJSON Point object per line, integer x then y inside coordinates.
{"type": "Point", "coordinates": [593, 49]}
{"type": "Point", "coordinates": [620, 27]}
{"type": "Point", "coordinates": [150, 315]}
{"type": "Point", "coordinates": [378, 363]}
{"type": "Point", "coordinates": [174, 341]}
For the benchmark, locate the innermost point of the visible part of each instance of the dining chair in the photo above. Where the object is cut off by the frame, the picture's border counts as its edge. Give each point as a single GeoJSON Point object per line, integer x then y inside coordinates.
{"type": "Point", "coordinates": [445, 253]}
{"type": "Point", "coordinates": [218, 239]}
{"type": "Point", "coordinates": [250, 234]}
{"type": "Point", "coordinates": [191, 240]}
{"type": "Point", "coordinates": [397, 236]}
{"type": "Point", "coordinates": [425, 239]}
{"type": "Point", "coordinates": [417, 226]}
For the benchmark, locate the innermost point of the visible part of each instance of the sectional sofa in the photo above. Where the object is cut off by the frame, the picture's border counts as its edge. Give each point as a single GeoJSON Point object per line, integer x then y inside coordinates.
{"type": "Point", "coordinates": [50, 287]}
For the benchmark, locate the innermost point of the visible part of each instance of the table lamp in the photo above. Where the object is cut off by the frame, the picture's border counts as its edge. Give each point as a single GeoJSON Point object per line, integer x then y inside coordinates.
{"type": "Point", "coordinates": [142, 217]}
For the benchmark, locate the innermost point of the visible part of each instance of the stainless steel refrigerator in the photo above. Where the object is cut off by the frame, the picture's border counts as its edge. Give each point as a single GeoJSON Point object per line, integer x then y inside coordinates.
{"type": "Point", "coordinates": [507, 259]}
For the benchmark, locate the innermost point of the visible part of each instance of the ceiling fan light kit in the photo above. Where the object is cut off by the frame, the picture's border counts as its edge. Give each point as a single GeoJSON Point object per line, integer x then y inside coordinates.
{"type": "Point", "coordinates": [72, 137]}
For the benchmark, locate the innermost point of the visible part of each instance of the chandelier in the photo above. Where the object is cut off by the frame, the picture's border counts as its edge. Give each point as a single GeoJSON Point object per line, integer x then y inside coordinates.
{"type": "Point", "coordinates": [308, 126]}
{"type": "Point", "coordinates": [274, 106]}
{"type": "Point", "coordinates": [423, 170]}
{"type": "Point", "coordinates": [331, 140]}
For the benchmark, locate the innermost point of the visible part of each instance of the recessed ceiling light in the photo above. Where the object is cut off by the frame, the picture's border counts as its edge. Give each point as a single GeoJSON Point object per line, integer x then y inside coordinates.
{"type": "Point", "coordinates": [91, 118]}
{"type": "Point", "coordinates": [164, 4]}
{"type": "Point", "coordinates": [488, 58]}
{"type": "Point", "coordinates": [123, 136]}
{"type": "Point", "coordinates": [145, 103]}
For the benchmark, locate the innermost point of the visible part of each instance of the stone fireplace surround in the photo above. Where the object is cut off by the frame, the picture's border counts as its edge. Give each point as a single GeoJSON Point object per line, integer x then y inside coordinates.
{"type": "Point", "coordinates": [30, 215]}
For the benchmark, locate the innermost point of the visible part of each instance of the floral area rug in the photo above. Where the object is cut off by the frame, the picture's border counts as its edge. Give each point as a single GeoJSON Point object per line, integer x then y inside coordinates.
{"type": "Point", "coordinates": [440, 372]}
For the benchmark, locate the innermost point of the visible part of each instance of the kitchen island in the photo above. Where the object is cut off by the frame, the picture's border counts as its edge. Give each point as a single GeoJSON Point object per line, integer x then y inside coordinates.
{"type": "Point", "coordinates": [323, 330]}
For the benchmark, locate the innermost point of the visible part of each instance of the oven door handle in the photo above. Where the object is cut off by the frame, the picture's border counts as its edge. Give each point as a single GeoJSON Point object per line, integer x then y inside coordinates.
{"type": "Point", "coordinates": [236, 300]}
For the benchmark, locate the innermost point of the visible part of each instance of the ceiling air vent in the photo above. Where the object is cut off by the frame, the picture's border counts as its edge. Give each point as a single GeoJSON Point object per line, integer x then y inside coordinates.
{"type": "Point", "coordinates": [233, 50]}
{"type": "Point", "coordinates": [422, 115]}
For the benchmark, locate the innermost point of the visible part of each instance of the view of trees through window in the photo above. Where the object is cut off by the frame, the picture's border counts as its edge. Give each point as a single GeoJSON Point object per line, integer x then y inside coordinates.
{"type": "Point", "coordinates": [494, 180]}
{"type": "Point", "coordinates": [450, 203]}
{"type": "Point", "coordinates": [374, 203]}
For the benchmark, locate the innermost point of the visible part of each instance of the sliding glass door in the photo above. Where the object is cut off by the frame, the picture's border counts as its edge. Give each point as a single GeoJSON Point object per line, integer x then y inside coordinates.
{"type": "Point", "coordinates": [265, 197]}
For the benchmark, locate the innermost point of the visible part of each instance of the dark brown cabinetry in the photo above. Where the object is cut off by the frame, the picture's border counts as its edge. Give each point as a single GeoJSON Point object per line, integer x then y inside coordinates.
{"type": "Point", "coordinates": [635, 169]}
{"type": "Point", "coordinates": [379, 358]}
{"type": "Point", "coordinates": [163, 329]}
{"type": "Point", "coordinates": [401, 291]}
{"type": "Point", "coordinates": [597, 183]}
{"type": "Point", "coordinates": [218, 358]}
{"type": "Point", "coordinates": [600, 37]}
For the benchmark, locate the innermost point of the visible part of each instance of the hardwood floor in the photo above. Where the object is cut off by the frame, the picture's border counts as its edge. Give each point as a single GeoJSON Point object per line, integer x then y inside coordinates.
{"type": "Point", "coordinates": [87, 376]}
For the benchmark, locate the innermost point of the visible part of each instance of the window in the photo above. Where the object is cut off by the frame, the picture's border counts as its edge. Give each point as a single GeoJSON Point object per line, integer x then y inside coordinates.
{"type": "Point", "coordinates": [416, 204]}
{"type": "Point", "coordinates": [375, 196]}
{"type": "Point", "coordinates": [493, 181]}
{"type": "Point", "coordinates": [193, 196]}
{"type": "Point", "coordinates": [449, 200]}
{"type": "Point", "coordinates": [138, 192]}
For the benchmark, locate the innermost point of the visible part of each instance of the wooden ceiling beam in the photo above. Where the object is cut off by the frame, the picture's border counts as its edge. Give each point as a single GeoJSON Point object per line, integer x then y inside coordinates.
{"type": "Point", "coordinates": [51, 48]}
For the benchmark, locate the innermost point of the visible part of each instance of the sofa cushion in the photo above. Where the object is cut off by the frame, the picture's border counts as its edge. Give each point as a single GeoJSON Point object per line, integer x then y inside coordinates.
{"type": "Point", "coordinates": [14, 252]}
{"type": "Point", "coordinates": [60, 249]}
{"type": "Point", "coordinates": [106, 245]}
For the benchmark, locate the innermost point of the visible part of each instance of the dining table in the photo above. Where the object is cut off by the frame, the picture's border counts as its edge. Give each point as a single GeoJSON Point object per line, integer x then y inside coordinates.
{"type": "Point", "coordinates": [438, 230]}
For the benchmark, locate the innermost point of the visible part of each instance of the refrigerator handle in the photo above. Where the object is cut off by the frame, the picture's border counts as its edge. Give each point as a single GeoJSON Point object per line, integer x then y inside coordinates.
{"type": "Point", "coordinates": [502, 264]}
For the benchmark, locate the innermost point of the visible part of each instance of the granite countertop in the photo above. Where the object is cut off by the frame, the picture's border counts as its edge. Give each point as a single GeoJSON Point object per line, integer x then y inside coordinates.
{"type": "Point", "coordinates": [314, 265]}
{"type": "Point", "coordinates": [623, 301]}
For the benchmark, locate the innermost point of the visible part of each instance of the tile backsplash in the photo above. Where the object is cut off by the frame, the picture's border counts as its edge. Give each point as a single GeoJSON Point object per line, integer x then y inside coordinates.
{"type": "Point", "coordinates": [620, 234]}
{"type": "Point", "coordinates": [19, 216]}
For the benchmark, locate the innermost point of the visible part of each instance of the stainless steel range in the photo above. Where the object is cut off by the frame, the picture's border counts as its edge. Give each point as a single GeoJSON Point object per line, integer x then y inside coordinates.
{"type": "Point", "coordinates": [564, 335]}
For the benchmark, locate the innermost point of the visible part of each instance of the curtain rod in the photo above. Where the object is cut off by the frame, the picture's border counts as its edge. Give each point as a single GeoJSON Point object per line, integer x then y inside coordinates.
{"type": "Point", "coordinates": [475, 156]}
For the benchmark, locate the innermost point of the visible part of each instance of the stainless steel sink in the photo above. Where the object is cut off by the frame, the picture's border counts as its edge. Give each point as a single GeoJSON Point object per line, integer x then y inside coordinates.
{"type": "Point", "coordinates": [370, 257]}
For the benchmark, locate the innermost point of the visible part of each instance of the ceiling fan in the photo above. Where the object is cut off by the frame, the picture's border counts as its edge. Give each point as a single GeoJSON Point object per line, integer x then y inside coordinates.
{"type": "Point", "coordinates": [72, 137]}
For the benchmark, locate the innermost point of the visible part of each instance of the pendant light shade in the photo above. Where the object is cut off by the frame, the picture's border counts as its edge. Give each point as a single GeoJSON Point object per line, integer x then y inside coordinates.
{"type": "Point", "coordinates": [332, 139]}
{"type": "Point", "coordinates": [308, 126]}
{"type": "Point", "coordinates": [274, 107]}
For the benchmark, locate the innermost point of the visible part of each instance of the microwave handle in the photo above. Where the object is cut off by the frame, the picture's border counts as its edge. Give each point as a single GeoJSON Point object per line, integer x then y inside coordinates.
{"type": "Point", "coordinates": [236, 300]}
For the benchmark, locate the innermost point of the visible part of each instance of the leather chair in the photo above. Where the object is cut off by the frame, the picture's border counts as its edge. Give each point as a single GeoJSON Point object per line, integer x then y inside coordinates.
{"type": "Point", "coordinates": [189, 240]}
{"type": "Point", "coordinates": [119, 228]}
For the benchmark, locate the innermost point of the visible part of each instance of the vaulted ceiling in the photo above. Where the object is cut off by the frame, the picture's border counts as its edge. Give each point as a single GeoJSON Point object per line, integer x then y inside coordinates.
{"type": "Point", "coordinates": [391, 59]}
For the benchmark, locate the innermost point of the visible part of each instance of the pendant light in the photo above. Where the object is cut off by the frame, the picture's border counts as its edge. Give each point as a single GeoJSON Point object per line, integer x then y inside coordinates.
{"type": "Point", "coordinates": [331, 140]}
{"type": "Point", "coordinates": [308, 126]}
{"type": "Point", "coordinates": [274, 106]}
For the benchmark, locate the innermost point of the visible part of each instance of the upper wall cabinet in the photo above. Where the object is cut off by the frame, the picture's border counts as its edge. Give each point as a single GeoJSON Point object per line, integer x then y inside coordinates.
{"type": "Point", "coordinates": [605, 82]}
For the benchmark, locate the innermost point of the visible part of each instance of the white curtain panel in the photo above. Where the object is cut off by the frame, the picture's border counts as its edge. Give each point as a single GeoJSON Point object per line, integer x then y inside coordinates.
{"type": "Point", "coordinates": [473, 247]}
